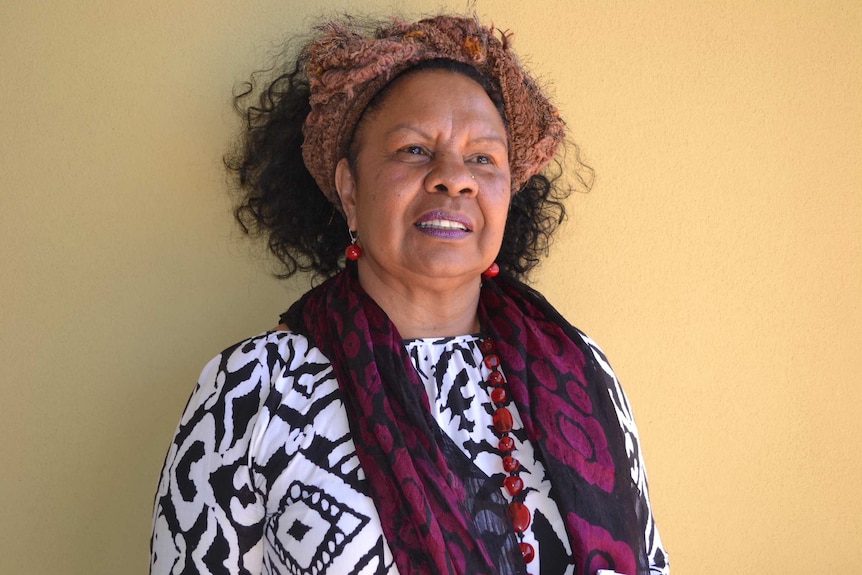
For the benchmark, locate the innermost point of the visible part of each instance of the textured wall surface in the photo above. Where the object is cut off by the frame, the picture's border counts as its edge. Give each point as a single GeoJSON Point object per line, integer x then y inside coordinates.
{"type": "Point", "coordinates": [718, 258]}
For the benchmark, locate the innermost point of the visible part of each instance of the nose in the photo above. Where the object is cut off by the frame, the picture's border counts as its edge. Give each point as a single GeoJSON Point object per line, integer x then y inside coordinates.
{"type": "Point", "coordinates": [451, 176]}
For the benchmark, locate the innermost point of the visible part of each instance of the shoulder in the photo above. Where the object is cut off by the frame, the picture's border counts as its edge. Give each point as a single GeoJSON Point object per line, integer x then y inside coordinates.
{"type": "Point", "coordinates": [615, 389]}
{"type": "Point", "coordinates": [276, 350]}
{"type": "Point", "coordinates": [596, 353]}
{"type": "Point", "coordinates": [259, 366]}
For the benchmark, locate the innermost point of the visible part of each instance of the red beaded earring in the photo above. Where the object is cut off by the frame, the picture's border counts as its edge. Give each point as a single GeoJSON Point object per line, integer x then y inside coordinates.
{"type": "Point", "coordinates": [353, 252]}
{"type": "Point", "coordinates": [492, 271]}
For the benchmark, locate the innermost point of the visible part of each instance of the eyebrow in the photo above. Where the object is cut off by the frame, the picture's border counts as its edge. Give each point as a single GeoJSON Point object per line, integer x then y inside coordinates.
{"type": "Point", "coordinates": [479, 140]}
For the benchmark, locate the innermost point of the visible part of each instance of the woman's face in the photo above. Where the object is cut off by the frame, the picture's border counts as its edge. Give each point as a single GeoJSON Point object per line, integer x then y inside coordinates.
{"type": "Point", "coordinates": [431, 186]}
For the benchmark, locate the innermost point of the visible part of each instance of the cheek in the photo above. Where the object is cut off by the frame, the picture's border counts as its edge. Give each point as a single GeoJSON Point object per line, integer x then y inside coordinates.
{"type": "Point", "coordinates": [389, 194]}
{"type": "Point", "coordinates": [498, 211]}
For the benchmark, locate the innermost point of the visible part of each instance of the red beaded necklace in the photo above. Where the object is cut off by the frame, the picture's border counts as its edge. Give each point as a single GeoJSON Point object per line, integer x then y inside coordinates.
{"type": "Point", "coordinates": [503, 422]}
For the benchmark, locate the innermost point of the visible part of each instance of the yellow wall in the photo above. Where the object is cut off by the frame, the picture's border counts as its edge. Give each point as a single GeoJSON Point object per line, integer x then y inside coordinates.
{"type": "Point", "coordinates": [718, 259]}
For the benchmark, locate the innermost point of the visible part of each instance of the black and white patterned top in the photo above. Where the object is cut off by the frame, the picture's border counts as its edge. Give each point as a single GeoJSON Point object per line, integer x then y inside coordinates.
{"type": "Point", "coordinates": [262, 476]}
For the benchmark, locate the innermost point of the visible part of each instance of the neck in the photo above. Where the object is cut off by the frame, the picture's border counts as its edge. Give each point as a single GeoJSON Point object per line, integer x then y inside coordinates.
{"type": "Point", "coordinates": [427, 308]}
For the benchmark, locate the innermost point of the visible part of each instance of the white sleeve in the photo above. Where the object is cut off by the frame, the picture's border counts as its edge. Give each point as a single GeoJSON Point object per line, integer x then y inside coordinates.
{"type": "Point", "coordinates": [209, 514]}
{"type": "Point", "coordinates": [658, 559]}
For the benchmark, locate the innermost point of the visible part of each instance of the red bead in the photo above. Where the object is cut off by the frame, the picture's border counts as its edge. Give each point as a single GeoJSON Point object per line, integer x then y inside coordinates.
{"type": "Point", "coordinates": [503, 420]}
{"type": "Point", "coordinates": [510, 464]}
{"type": "Point", "coordinates": [486, 346]}
{"type": "Point", "coordinates": [496, 379]}
{"type": "Point", "coordinates": [492, 361]}
{"type": "Point", "coordinates": [492, 271]}
{"type": "Point", "coordinates": [527, 552]}
{"type": "Point", "coordinates": [520, 515]}
{"type": "Point", "coordinates": [499, 395]}
{"type": "Point", "coordinates": [353, 252]}
{"type": "Point", "coordinates": [513, 484]}
{"type": "Point", "coordinates": [506, 444]}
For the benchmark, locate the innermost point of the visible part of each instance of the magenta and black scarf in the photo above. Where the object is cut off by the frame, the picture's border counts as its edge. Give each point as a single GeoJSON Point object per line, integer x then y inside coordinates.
{"type": "Point", "coordinates": [426, 493]}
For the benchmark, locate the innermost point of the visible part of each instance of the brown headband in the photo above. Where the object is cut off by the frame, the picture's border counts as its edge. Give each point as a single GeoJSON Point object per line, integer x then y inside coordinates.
{"type": "Point", "coordinates": [346, 70]}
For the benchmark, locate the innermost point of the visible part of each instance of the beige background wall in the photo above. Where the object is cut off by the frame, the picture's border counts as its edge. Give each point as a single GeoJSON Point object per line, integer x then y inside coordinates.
{"type": "Point", "coordinates": [718, 259]}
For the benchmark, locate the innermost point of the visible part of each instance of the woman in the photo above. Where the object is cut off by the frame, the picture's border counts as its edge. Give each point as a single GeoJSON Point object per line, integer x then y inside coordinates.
{"type": "Point", "coordinates": [416, 412]}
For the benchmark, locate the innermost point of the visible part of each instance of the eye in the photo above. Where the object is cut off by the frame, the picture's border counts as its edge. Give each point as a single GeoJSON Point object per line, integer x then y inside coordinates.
{"type": "Point", "coordinates": [483, 159]}
{"type": "Point", "coordinates": [413, 150]}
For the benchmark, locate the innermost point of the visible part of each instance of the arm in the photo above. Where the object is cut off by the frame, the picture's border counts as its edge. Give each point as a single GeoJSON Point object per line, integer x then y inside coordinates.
{"type": "Point", "coordinates": [656, 553]}
{"type": "Point", "coordinates": [209, 513]}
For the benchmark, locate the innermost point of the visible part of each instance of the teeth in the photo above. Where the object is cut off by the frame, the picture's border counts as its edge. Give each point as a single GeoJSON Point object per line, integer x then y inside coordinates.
{"type": "Point", "coordinates": [443, 225]}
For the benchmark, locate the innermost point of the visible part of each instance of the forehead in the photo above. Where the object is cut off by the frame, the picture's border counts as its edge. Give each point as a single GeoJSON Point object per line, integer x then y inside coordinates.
{"type": "Point", "coordinates": [429, 95]}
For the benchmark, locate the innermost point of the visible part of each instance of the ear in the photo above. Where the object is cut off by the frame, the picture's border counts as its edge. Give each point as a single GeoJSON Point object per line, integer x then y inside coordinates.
{"type": "Point", "coordinates": [345, 184]}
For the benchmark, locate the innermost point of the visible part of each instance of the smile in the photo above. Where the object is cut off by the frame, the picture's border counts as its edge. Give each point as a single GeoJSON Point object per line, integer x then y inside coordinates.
{"type": "Point", "coordinates": [442, 225]}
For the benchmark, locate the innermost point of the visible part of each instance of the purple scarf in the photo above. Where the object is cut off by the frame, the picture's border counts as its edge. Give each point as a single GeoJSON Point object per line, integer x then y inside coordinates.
{"type": "Point", "coordinates": [559, 390]}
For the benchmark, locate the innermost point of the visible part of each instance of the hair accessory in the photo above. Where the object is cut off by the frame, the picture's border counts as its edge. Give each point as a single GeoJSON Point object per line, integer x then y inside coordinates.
{"type": "Point", "coordinates": [503, 422]}
{"type": "Point", "coordinates": [353, 252]}
{"type": "Point", "coordinates": [346, 68]}
{"type": "Point", "coordinates": [492, 271]}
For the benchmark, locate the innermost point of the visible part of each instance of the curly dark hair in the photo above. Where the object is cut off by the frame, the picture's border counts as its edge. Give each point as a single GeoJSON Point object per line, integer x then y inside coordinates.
{"type": "Point", "coordinates": [278, 199]}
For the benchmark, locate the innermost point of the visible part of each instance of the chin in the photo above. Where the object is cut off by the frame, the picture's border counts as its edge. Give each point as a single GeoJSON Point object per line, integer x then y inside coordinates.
{"type": "Point", "coordinates": [450, 272]}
